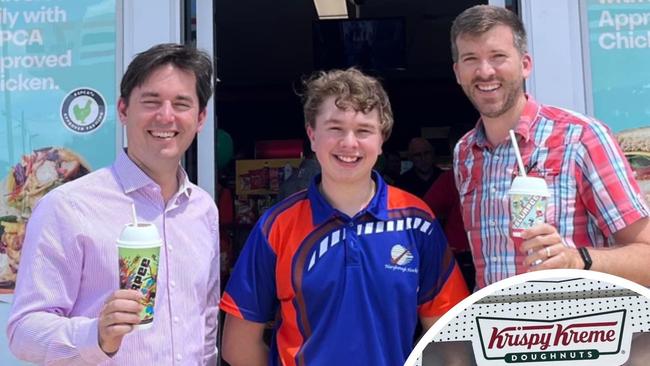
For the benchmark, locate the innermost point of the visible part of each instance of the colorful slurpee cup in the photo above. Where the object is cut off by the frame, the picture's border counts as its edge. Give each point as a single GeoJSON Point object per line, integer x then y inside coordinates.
{"type": "Point", "coordinates": [139, 253]}
{"type": "Point", "coordinates": [528, 200]}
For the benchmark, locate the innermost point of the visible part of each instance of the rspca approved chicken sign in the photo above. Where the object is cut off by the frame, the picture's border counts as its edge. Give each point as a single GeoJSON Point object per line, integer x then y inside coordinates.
{"type": "Point", "coordinates": [83, 110]}
{"type": "Point", "coordinates": [57, 107]}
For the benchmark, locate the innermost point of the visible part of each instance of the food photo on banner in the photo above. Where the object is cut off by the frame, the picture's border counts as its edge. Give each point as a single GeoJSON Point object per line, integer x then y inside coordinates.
{"type": "Point", "coordinates": [57, 87]}
{"type": "Point", "coordinates": [551, 317]}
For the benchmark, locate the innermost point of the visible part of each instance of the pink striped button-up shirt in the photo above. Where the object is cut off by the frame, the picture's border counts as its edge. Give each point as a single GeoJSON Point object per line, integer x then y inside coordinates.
{"type": "Point", "coordinates": [69, 267]}
{"type": "Point", "coordinates": [592, 192]}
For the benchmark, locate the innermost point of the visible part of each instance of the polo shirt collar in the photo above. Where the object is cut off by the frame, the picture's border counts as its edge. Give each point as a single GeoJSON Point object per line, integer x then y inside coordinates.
{"type": "Point", "coordinates": [322, 210]}
{"type": "Point", "coordinates": [132, 178]}
{"type": "Point", "coordinates": [524, 125]}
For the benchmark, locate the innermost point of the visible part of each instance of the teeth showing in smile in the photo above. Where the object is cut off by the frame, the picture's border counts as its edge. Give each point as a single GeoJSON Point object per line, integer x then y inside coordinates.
{"type": "Point", "coordinates": [348, 159]}
{"type": "Point", "coordinates": [163, 134]}
{"type": "Point", "coordinates": [488, 88]}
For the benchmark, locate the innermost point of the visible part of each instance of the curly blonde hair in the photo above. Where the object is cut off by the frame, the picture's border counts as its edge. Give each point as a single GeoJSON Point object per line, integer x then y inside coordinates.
{"type": "Point", "coordinates": [351, 89]}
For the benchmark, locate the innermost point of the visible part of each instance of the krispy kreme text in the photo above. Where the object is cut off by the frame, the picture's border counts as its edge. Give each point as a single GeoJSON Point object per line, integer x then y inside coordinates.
{"type": "Point", "coordinates": [543, 337]}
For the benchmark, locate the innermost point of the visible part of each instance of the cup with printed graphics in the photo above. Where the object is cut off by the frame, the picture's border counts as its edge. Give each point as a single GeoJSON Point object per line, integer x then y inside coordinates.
{"type": "Point", "coordinates": [528, 201]}
{"type": "Point", "coordinates": [139, 252]}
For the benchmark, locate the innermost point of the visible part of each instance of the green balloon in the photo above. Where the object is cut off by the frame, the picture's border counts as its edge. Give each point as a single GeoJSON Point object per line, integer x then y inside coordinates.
{"type": "Point", "coordinates": [224, 148]}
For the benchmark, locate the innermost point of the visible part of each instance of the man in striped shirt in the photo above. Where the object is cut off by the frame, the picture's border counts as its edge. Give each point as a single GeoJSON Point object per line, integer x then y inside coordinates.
{"type": "Point", "coordinates": [595, 202]}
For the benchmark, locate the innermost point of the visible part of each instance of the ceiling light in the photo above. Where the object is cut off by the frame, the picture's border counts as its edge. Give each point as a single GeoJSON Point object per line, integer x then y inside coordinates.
{"type": "Point", "coordinates": [331, 9]}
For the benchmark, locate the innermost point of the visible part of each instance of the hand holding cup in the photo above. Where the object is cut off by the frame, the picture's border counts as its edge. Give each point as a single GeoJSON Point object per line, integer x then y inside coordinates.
{"type": "Point", "coordinates": [546, 249]}
{"type": "Point", "coordinates": [119, 315]}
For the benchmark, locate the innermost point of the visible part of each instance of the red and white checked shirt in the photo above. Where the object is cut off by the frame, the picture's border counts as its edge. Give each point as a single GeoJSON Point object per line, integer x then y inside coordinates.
{"type": "Point", "coordinates": [592, 192]}
{"type": "Point", "coordinates": [69, 267]}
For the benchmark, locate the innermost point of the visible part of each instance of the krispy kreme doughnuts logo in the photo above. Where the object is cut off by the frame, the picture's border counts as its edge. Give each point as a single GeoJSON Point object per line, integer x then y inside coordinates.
{"type": "Point", "coordinates": [589, 337]}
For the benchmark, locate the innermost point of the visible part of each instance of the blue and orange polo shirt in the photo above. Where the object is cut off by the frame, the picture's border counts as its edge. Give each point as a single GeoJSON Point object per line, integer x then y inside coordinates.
{"type": "Point", "coordinates": [344, 290]}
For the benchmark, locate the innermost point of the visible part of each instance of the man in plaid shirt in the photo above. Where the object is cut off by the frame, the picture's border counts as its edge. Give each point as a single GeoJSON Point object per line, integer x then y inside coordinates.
{"type": "Point", "coordinates": [595, 202]}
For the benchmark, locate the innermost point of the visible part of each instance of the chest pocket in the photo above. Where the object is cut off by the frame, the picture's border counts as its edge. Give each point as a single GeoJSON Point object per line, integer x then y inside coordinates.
{"type": "Point", "coordinates": [548, 163]}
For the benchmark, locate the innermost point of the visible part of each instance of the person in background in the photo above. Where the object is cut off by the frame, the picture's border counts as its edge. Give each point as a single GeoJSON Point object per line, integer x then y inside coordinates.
{"type": "Point", "coordinates": [67, 307]}
{"type": "Point", "coordinates": [442, 198]}
{"type": "Point", "coordinates": [347, 267]}
{"type": "Point", "coordinates": [301, 178]}
{"type": "Point", "coordinates": [392, 166]}
{"type": "Point", "coordinates": [226, 207]}
{"type": "Point", "coordinates": [596, 217]}
{"type": "Point", "coordinates": [424, 172]}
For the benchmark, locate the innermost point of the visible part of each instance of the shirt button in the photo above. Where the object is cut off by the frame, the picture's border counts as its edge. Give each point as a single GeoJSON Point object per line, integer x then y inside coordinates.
{"type": "Point", "coordinates": [170, 247]}
{"type": "Point", "coordinates": [492, 223]}
{"type": "Point", "coordinates": [172, 283]}
{"type": "Point", "coordinates": [179, 357]}
{"type": "Point", "coordinates": [351, 224]}
{"type": "Point", "coordinates": [176, 320]}
{"type": "Point", "coordinates": [493, 189]}
{"type": "Point", "coordinates": [495, 259]}
{"type": "Point", "coordinates": [496, 157]}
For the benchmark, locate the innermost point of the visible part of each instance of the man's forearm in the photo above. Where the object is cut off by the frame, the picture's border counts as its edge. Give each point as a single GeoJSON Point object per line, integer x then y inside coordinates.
{"type": "Point", "coordinates": [46, 338]}
{"type": "Point", "coordinates": [629, 261]}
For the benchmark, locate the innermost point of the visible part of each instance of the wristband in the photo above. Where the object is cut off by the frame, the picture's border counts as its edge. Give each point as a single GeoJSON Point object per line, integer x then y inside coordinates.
{"type": "Point", "coordinates": [584, 253]}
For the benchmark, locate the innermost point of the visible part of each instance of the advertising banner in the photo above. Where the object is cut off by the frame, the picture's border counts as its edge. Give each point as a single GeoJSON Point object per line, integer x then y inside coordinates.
{"type": "Point", "coordinates": [57, 105]}
{"type": "Point", "coordinates": [619, 50]}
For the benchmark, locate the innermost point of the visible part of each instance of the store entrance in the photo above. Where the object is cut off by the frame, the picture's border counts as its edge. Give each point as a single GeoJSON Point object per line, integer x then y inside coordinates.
{"type": "Point", "coordinates": [263, 50]}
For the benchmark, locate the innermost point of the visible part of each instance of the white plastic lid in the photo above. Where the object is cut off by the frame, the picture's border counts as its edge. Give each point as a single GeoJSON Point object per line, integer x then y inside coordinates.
{"type": "Point", "coordinates": [141, 235]}
{"type": "Point", "coordinates": [529, 185]}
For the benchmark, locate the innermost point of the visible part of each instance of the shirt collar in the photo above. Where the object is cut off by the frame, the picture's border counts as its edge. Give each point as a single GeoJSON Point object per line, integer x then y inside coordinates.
{"type": "Point", "coordinates": [524, 126]}
{"type": "Point", "coordinates": [322, 210]}
{"type": "Point", "coordinates": [132, 178]}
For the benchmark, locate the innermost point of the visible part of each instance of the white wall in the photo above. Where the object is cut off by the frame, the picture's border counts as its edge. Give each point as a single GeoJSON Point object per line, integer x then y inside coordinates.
{"type": "Point", "coordinates": [206, 139]}
{"type": "Point", "coordinates": [555, 44]}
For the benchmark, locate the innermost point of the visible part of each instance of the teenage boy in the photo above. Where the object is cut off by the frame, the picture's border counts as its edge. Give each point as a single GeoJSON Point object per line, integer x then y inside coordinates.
{"type": "Point", "coordinates": [346, 267]}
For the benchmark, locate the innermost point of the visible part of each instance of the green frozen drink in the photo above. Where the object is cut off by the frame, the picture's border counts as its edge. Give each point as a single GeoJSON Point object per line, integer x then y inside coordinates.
{"type": "Point", "coordinates": [139, 252]}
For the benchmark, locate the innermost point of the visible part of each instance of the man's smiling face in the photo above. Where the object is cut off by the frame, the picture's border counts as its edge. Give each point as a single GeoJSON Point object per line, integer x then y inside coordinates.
{"type": "Point", "coordinates": [161, 118]}
{"type": "Point", "coordinates": [491, 70]}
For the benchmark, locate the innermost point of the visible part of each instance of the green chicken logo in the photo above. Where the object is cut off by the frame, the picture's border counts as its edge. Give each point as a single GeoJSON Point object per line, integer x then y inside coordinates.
{"type": "Point", "coordinates": [83, 110]}
{"type": "Point", "coordinates": [81, 113]}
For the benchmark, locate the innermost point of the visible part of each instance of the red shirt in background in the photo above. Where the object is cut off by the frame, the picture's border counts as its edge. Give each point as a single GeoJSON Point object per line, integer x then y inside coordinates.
{"type": "Point", "coordinates": [444, 201]}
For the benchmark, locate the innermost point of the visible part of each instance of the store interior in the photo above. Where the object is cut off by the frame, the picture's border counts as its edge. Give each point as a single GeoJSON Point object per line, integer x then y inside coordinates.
{"type": "Point", "coordinates": [265, 49]}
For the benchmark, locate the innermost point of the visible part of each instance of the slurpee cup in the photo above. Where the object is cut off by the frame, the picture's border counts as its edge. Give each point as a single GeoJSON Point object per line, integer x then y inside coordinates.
{"type": "Point", "coordinates": [139, 253]}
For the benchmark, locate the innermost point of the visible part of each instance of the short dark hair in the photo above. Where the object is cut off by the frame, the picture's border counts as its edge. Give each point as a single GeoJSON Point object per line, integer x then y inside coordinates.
{"type": "Point", "coordinates": [479, 19]}
{"type": "Point", "coordinates": [185, 57]}
{"type": "Point", "coordinates": [352, 89]}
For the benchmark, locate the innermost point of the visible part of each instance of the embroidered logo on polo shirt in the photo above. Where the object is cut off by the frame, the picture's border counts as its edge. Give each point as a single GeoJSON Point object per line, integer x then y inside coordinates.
{"type": "Point", "coordinates": [400, 255]}
{"type": "Point", "coordinates": [399, 258]}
